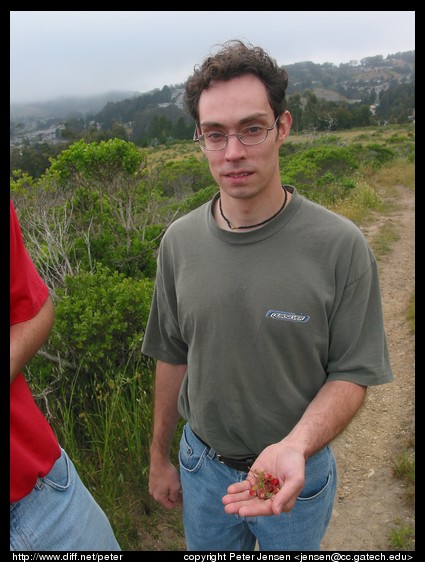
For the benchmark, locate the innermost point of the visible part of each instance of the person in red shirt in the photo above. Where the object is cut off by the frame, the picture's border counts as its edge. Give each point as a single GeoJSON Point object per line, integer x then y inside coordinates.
{"type": "Point", "coordinates": [50, 507]}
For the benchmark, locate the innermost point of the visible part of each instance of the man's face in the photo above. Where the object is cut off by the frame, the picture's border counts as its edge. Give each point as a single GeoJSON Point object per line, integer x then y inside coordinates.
{"type": "Point", "coordinates": [228, 107]}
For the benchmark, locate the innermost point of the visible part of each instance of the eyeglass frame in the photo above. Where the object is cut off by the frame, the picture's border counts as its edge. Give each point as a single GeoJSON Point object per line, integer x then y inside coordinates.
{"type": "Point", "coordinates": [196, 137]}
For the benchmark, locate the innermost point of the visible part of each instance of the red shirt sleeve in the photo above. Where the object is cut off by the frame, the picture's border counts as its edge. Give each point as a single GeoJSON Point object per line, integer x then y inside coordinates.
{"type": "Point", "coordinates": [28, 292]}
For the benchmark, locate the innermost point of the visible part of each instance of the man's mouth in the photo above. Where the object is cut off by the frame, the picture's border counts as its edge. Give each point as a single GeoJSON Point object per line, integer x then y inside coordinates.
{"type": "Point", "coordinates": [240, 175]}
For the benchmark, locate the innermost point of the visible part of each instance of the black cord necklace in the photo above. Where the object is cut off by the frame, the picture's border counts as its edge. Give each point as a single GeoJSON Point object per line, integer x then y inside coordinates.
{"type": "Point", "coordinates": [229, 224]}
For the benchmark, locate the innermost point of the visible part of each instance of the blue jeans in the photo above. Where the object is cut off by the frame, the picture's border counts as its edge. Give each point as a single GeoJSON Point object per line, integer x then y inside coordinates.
{"type": "Point", "coordinates": [60, 514]}
{"type": "Point", "coordinates": [207, 527]}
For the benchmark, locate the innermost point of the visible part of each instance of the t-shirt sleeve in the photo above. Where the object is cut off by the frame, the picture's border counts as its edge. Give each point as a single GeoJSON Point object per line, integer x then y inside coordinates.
{"type": "Point", "coordinates": [28, 292]}
{"type": "Point", "coordinates": [163, 339]}
{"type": "Point", "coordinates": [358, 349]}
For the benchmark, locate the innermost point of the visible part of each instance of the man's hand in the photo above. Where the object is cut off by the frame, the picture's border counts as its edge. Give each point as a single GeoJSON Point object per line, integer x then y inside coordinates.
{"type": "Point", "coordinates": [283, 462]}
{"type": "Point", "coordinates": [164, 485]}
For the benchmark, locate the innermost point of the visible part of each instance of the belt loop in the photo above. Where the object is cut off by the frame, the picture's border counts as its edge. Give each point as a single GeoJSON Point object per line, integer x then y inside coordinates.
{"type": "Point", "coordinates": [211, 454]}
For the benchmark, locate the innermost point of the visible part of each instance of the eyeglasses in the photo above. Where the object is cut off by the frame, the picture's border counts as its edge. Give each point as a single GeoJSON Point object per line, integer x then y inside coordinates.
{"type": "Point", "coordinates": [250, 136]}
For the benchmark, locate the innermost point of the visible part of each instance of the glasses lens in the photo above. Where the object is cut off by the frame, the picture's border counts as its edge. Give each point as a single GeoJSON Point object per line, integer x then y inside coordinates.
{"type": "Point", "coordinates": [213, 141]}
{"type": "Point", "coordinates": [253, 135]}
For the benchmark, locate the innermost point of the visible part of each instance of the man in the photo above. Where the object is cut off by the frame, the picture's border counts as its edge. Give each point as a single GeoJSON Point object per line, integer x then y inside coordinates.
{"type": "Point", "coordinates": [50, 508]}
{"type": "Point", "coordinates": [266, 324]}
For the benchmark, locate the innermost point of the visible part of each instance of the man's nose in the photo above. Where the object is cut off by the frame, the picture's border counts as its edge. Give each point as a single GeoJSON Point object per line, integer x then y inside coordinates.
{"type": "Point", "coordinates": [234, 147]}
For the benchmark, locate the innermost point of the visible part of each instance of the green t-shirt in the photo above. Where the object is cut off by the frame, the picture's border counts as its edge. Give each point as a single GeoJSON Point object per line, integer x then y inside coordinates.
{"type": "Point", "coordinates": [263, 319]}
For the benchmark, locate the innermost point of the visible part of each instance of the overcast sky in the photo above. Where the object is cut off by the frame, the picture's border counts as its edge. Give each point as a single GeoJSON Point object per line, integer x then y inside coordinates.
{"type": "Point", "coordinates": [78, 53]}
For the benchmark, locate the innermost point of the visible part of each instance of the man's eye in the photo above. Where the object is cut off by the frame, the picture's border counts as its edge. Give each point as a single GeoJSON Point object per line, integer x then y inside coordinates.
{"type": "Point", "coordinates": [254, 130]}
{"type": "Point", "coordinates": [214, 136]}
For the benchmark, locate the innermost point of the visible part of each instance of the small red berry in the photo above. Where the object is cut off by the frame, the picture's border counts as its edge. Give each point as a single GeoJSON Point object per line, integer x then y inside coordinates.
{"type": "Point", "coordinates": [265, 485]}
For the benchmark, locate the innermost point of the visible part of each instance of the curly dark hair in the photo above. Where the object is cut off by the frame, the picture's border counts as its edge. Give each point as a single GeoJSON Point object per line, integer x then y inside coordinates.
{"type": "Point", "coordinates": [236, 58]}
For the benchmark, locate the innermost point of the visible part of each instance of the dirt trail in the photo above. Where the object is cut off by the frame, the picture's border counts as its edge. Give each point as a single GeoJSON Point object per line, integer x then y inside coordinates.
{"type": "Point", "coordinates": [370, 501]}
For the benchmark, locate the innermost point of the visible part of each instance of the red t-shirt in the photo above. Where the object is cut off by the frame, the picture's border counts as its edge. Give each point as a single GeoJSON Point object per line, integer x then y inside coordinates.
{"type": "Point", "coordinates": [33, 445]}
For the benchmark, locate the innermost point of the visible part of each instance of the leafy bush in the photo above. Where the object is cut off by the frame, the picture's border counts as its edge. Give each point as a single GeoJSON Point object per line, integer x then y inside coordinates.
{"type": "Point", "coordinates": [373, 154]}
{"type": "Point", "coordinates": [320, 172]}
{"type": "Point", "coordinates": [98, 162]}
{"type": "Point", "coordinates": [181, 178]}
{"type": "Point", "coordinates": [99, 326]}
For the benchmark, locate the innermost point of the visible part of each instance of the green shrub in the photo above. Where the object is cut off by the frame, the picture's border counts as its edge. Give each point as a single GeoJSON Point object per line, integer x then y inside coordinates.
{"type": "Point", "coordinates": [100, 322]}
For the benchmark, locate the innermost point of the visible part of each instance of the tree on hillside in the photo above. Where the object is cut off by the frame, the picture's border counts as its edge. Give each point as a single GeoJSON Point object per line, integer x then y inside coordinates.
{"type": "Point", "coordinates": [97, 203]}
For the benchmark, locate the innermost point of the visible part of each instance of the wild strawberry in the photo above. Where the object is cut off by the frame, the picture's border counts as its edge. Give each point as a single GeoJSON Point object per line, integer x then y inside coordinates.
{"type": "Point", "coordinates": [265, 485]}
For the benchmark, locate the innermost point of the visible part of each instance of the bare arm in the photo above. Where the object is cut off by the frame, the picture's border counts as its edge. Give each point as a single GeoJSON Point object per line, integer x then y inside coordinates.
{"type": "Point", "coordinates": [26, 338]}
{"type": "Point", "coordinates": [164, 481]}
{"type": "Point", "coordinates": [328, 414]}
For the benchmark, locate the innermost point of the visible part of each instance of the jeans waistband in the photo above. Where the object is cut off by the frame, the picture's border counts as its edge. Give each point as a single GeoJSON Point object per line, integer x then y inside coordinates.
{"type": "Point", "coordinates": [243, 465]}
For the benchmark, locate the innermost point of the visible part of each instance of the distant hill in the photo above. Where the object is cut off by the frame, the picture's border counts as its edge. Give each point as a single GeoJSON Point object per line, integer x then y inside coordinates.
{"type": "Point", "coordinates": [347, 81]}
{"type": "Point", "coordinates": [353, 80]}
{"type": "Point", "coordinates": [66, 107]}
